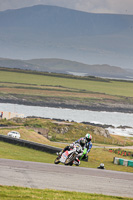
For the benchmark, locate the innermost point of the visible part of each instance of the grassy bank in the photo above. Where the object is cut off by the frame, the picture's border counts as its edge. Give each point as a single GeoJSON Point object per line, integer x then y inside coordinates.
{"type": "Point", "coordinates": [11, 193]}
{"type": "Point", "coordinates": [64, 131]}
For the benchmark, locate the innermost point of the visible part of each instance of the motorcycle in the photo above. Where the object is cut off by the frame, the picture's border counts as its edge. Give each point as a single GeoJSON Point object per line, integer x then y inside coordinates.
{"type": "Point", "coordinates": [70, 157]}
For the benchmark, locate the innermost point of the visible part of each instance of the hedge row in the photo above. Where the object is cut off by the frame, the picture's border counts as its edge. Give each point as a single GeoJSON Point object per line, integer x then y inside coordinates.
{"type": "Point", "coordinates": [121, 152]}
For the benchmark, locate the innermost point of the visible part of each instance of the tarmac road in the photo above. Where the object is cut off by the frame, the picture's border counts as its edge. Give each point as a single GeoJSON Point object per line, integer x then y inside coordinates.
{"type": "Point", "coordinates": [60, 177]}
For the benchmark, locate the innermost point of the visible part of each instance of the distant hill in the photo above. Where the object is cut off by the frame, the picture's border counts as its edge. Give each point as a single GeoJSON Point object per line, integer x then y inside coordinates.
{"type": "Point", "coordinates": [54, 32]}
{"type": "Point", "coordinates": [66, 67]}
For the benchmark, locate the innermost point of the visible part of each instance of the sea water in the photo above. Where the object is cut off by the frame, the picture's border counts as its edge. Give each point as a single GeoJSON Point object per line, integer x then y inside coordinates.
{"type": "Point", "coordinates": [115, 119]}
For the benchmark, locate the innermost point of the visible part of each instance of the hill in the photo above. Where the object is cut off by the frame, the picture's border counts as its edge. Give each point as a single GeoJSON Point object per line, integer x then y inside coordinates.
{"type": "Point", "coordinates": [55, 32]}
{"type": "Point", "coordinates": [66, 67]}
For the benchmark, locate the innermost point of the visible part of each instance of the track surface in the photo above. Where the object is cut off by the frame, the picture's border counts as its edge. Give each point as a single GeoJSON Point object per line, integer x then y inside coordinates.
{"type": "Point", "coordinates": [60, 177]}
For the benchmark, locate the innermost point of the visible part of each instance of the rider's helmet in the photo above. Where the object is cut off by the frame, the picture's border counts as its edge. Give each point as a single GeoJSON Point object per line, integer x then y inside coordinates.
{"type": "Point", "coordinates": [82, 141]}
{"type": "Point", "coordinates": [88, 137]}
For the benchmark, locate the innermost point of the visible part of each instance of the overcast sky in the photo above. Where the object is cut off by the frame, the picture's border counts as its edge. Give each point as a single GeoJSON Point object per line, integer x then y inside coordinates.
{"type": "Point", "coordinates": [94, 6]}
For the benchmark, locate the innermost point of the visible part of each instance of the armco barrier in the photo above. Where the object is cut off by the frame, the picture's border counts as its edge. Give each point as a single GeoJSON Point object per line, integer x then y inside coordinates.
{"type": "Point", "coordinates": [29, 144]}
{"type": "Point", "coordinates": [124, 162]}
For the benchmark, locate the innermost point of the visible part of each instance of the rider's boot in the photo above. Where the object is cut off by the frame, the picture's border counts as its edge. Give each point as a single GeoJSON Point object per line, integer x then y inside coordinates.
{"type": "Point", "coordinates": [76, 162]}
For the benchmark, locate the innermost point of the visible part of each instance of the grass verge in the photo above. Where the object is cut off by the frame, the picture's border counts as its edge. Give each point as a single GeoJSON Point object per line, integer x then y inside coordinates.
{"type": "Point", "coordinates": [96, 156]}
{"type": "Point", "coordinates": [12, 193]}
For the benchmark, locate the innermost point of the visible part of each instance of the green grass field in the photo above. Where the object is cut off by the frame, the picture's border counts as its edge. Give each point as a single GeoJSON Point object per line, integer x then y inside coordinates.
{"type": "Point", "coordinates": [112, 88]}
{"type": "Point", "coordinates": [63, 89]}
{"type": "Point", "coordinates": [20, 193]}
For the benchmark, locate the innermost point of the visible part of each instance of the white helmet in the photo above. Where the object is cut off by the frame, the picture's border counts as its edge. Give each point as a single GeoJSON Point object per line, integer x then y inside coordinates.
{"type": "Point", "coordinates": [88, 137]}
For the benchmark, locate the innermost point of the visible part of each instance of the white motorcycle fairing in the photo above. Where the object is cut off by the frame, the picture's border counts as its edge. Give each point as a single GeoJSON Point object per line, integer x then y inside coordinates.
{"type": "Point", "coordinates": [65, 155]}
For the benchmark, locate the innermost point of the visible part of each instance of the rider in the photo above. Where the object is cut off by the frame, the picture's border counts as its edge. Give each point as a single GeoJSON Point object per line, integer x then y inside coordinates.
{"type": "Point", "coordinates": [82, 142]}
{"type": "Point", "coordinates": [85, 143]}
{"type": "Point", "coordinates": [87, 146]}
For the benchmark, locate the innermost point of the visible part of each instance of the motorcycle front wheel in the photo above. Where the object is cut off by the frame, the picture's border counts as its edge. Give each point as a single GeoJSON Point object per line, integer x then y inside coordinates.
{"type": "Point", "coordinates": [57, 160]}
{"type": "Point", "coordinates": [70, 159]}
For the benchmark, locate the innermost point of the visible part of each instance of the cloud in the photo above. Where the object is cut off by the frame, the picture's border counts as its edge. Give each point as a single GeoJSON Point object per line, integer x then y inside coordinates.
{"type": "Point", "coordinates": [94, 6]}
{"type": "Point", "coordinates": [101, 6]}
{"type": "Point", "coordinates": [113, 6]}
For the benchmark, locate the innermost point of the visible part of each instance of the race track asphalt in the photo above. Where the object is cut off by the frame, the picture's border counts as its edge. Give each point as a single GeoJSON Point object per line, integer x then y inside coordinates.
{"type": "Point", "coordinates": [68, 178]}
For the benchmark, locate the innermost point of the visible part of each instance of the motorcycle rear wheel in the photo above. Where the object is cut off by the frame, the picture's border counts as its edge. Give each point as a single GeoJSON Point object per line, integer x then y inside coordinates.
{"type": "Point", "coordinates": [70, 159]}
{"type": "Point", "coordinates": [57, 160]}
